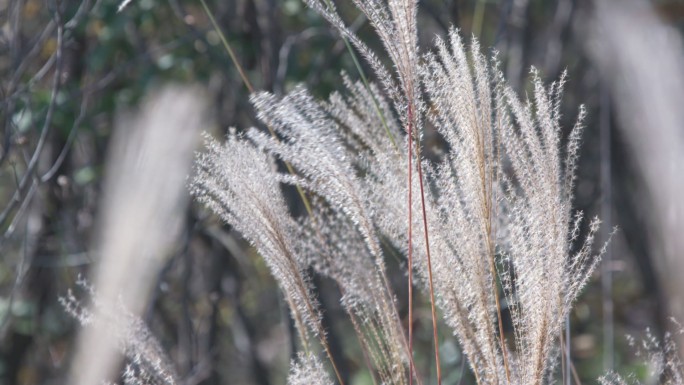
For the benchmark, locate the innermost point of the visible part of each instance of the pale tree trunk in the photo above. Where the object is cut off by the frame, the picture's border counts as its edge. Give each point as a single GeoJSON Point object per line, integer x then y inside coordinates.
{"type": "Point", "coordinates": [642, 61]}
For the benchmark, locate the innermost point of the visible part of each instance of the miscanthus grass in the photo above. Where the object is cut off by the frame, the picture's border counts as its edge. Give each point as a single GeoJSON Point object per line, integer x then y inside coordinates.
{"type": "Point", "coordinates": [490, 221]}
{"type": "Point", "coordinates": [661, 357]}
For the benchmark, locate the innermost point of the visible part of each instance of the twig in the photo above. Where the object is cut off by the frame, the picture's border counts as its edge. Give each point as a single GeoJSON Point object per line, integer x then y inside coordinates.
{"type": "Point", "coordinates": [33, 163]}
{"type": "Point", "coordinates": [70, 139]}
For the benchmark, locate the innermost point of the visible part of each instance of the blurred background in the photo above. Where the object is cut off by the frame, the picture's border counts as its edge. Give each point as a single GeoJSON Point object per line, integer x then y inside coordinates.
{"type": "Point", "coordinates": [70, 70]}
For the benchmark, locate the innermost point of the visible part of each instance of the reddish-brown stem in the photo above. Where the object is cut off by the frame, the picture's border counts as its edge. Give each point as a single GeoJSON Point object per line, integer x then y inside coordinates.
{"type": "Point", "coordinates": [429, 263]}
{"type": "Point", "coordinates": [410, 241]}
{"type": "Point", "coordinates": [427, 247]}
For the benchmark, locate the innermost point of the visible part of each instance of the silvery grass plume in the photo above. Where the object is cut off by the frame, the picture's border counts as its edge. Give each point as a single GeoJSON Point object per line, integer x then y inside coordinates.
{"type": "Point", "coordinates": [308, 370]}
{"type": "Point", "coordinates": [254, 205]}
{"type": "Point", "coordinates": [146, 362]}
{"type": "Point", "coordinates": [662, 357]}
{"type": "Point", "coordinates": [495, 209]}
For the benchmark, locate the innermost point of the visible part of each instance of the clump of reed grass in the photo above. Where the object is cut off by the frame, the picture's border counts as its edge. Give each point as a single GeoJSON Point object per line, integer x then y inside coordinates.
{"type": "Point", "coordinates": [494, 210]}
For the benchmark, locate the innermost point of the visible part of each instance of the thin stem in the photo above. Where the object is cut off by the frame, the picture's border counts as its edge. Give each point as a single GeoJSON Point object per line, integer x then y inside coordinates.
{"type": "Point", "coordinates": [332, 362]}
{"type": "Point", "coordinates": [410, 242]}
{"type": "Point", "coordinates": [357, 64]}
{"type": "Point", "coordinates": [364, 347]}
{"type": "Point", "coordinates": [250, 88]}
{"type": "Point", "coordinates": [571, 367]}
{"type": "Point", "coordinates": [429, 263]}
{"type": "Point", "coordinates": [47, 125]}
{"type": "Point", "coordinates": [70, 140]}
{"type": "Point", "coordinates": [227, 46]}
{"type": "Point", "coordinates": [567, 347]}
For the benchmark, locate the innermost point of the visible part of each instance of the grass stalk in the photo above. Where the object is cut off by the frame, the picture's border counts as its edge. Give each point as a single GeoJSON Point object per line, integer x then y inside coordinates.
{"type": "Point", "coordinates": [366, 84]}
{"type": "Point", "coordinates": [410, 244]}
{"type": "Point", "coordinates": [429, 264]}
{"type": "Point", "coordinates": [227, 46]}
